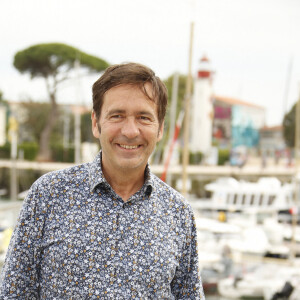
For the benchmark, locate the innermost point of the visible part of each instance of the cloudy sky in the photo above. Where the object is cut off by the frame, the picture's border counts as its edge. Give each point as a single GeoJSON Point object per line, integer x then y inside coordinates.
{"type": "Point", "coordinates": [253, 45]}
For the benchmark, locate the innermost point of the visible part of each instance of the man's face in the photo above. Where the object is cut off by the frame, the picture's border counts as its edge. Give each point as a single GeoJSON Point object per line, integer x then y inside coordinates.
{"type": "Point", "coordinates": [128, 128]}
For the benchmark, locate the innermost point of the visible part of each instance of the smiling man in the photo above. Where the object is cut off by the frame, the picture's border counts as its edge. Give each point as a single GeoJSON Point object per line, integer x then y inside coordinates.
{"type": "Point", "coordinates": [128, 129]}
{"type": "Point", "coordinates": [108, 229]}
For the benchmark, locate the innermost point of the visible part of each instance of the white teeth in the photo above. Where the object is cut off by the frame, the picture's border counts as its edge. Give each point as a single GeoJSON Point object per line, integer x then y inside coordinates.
{"type": "Point", "coordinates": [128, 147]}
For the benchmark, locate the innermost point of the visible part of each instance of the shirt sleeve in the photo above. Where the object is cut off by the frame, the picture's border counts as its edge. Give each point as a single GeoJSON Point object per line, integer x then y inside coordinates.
{"type": "Point", "coordinates": [19, 276]}
{"type": "Point", "coordinates": [186, 283]}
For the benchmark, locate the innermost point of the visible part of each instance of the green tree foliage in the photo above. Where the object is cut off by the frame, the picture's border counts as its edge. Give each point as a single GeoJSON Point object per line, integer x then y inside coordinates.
{"type": "Point", "coordinates": [86, 128]}
{"type": "Point", "coordinates": [55, 59]}
{"type": "Point", "coordinates": [161, 147]}
{"type": "Point", "coordinates": [289, 123]}
{"type": "Point", "coordinates": [53, 62]}
{"type": "Point", "coordinates": [180, 98]}
{"type": "Point", "coordinates": [36, 117]}
{"type": "Point", "coordinates": [1, 96]}
{"type": "Point", "coordinates": [181, 90]}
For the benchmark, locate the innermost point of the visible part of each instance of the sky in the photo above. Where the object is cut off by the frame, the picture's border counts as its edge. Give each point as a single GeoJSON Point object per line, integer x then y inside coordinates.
{"type": "Point", "coordinates": [253, 45]}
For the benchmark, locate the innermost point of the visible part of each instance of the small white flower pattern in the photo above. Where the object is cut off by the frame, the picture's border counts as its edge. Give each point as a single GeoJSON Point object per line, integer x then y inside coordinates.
{"type": "Point", "coordinates": [77, 239]}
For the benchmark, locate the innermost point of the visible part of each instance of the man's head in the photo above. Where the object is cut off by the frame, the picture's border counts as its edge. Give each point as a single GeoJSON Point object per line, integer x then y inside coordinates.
{"type": "Point", "coordinates": [131, 74]}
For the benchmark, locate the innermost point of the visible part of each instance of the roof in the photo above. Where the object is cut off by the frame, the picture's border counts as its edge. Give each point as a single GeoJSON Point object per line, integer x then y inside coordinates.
{"type": "Point", "coordinates": [233, 101]}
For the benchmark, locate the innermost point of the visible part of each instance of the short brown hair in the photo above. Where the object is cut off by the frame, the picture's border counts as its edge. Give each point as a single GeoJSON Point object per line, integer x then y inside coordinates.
{"type": "Point", "coordinates": [132, 74]}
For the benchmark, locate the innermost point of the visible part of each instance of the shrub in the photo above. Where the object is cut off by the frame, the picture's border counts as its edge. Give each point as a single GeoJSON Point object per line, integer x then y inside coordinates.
{"type": "Point", "coordinates": [63, 155]}
{"type": "Point", "coordinates": [5, 151]}
{"type": "Point", "coordinates": [30, 150]}
{"type": "Point", "coordinates": [224, 156]}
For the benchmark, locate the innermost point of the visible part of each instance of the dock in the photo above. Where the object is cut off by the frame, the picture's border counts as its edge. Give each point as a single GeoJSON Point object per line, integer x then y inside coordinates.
{"type": "Point", "coordinates": [199, 172]}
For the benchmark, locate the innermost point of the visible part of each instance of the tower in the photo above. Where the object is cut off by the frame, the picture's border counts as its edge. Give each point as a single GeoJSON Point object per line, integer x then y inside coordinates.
{"type": "Point", "coordinates": [202, 109]}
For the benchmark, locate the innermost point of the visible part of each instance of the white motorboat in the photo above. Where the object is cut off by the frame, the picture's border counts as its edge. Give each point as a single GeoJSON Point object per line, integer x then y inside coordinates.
{"type": "Point", "coordinates": [228, 194]}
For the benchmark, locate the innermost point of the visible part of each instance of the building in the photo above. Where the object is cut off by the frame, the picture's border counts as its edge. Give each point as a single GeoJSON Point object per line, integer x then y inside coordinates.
{"type": "Point", "coordinates": [221, 121]}
{"type": "Point", "coordinates": [202, 109]}
{"type": "Point", "coordinates": [272, 140]}
{"type": "Point", "coordinates": [3, 122]}
{"type": "Point", "coordinates": [236, 122]}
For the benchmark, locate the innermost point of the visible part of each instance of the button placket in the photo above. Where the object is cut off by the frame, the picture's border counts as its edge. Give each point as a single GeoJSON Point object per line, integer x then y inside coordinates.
{"type": "Point", "coordinates": [116, 258]}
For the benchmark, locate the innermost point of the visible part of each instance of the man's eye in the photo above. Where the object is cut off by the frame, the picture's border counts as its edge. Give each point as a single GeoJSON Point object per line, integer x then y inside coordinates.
{"type": "Point", "coordinates": [144, 118]}
{"type": "Point", "coordinates": [116, 116]}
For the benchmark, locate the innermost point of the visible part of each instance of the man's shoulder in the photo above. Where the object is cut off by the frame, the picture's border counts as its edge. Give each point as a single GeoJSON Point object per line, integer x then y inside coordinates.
{"type": "Point", "coordinates": [163, 187]}
{"type": "Point", "coordinates": [75, 174]}
{"type": "Point", "coordinates": [167, 192]}
{"type": "Point", "coordinates": [48, 190]}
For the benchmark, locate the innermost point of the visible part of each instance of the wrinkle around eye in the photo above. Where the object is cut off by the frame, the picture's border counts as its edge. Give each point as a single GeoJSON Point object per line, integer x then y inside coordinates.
{"type": "Point", "coordinates": [115, 117]}
{"type": "Point", "coordinates": [143, 118]}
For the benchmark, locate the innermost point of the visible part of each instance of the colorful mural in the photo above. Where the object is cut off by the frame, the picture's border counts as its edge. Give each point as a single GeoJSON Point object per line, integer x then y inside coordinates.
{"type": "Point", "coordinates": [245, 127]}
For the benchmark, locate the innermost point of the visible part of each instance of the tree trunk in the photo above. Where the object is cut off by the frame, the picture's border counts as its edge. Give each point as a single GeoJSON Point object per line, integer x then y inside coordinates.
{"type": "Point", "coordinates": [44, 143]}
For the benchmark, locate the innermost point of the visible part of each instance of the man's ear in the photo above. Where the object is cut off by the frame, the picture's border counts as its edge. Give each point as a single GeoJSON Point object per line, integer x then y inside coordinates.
{"type": "Point", "coordinates": [161, 131]}
{"type": "Point", "coordinates": [95, 129]}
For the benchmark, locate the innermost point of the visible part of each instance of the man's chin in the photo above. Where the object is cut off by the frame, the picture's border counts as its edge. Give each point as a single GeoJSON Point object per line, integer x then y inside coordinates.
{"type": "Point", "coordinates": [130, 164]}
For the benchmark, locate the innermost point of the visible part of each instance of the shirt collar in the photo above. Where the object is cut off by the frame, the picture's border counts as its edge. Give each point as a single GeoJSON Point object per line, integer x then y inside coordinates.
{"type": "Point", "coordinates": [97, 177]}
{"type": "Point", "coordinates": [96, 174]}
{"type": "Point", "coordinates": [149, 181]}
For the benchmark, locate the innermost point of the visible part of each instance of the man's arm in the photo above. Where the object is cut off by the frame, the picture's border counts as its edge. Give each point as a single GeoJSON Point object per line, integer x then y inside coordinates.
{"type": "Point", "coordinates": [19, 277]}
{"type": "Point", "coordinates": [187, 281]}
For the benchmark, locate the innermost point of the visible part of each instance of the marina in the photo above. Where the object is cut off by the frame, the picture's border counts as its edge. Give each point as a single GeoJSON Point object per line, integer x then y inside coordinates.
{"type": "Point", "coordinates": [230, 146]}
{"type": "Point", "coordinates": [248, 247]}
{"type": "Point", "coordinates": [199, 172]}
{"type": "Point", "coordinates": [267, 193]}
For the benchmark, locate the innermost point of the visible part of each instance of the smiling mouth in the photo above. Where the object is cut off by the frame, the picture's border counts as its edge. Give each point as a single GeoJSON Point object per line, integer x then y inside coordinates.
{"type": "Point", "coordinates": [129, 147]}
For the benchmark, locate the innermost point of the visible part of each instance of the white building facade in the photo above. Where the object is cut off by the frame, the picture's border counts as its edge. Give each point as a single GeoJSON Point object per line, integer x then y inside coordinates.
{"type": "Point", "coordinates": [2, 125]}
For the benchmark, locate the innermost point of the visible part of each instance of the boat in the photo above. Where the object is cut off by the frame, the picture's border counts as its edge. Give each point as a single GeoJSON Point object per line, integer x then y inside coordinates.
{"type": "Point", "coordinates": [229, 194]}
{"type": "Point", "coordinates": [245, 233]}
{"type": "Point", "coordinates": [262, 282]}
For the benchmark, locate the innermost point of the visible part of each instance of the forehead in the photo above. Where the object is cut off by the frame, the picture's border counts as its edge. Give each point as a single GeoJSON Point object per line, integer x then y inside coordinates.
{"type": "Point", "coordinates": [126, 93]}
{"type": "Point", "coordinates": [144, 88]}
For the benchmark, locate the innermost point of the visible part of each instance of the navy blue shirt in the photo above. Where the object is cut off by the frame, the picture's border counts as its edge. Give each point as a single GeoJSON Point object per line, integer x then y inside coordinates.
{"type": "Point", "coordinates": [77, 239]}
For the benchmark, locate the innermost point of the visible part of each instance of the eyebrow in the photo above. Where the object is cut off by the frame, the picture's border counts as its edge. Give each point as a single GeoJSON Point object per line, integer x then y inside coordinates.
{"type": "Point", "coordinates": [122, 111]}
{"type": "Point", "coordinates": [115, 111]}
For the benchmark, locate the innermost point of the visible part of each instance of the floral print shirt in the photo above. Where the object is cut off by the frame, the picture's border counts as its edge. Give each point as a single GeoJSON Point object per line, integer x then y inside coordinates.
{"type": "Point", "coordinates": [77, 239]}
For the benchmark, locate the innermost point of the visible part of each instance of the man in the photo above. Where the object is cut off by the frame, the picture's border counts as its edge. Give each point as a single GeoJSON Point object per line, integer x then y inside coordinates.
{"type": "Point", "coordinates": [109, 229]}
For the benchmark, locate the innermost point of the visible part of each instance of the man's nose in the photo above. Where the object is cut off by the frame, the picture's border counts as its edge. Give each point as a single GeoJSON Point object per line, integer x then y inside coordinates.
{"type": "Point", "coordinates": [130, 128]}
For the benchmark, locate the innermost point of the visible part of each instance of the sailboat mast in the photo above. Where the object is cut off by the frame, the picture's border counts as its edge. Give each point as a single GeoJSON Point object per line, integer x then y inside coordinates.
{"type": "Point", "coordinates": [185, 154]}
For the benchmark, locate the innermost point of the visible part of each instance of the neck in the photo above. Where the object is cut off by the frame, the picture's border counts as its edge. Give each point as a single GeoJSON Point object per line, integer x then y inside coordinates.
{"type": "Point", "coordinates": [125, 184]}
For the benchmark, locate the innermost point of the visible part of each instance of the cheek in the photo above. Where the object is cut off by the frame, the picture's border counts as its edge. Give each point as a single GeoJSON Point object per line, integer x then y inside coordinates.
{"type": "Point", "coordinates": [108, 129]}
{"type": "Point", "coordinates": [153, 136]}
